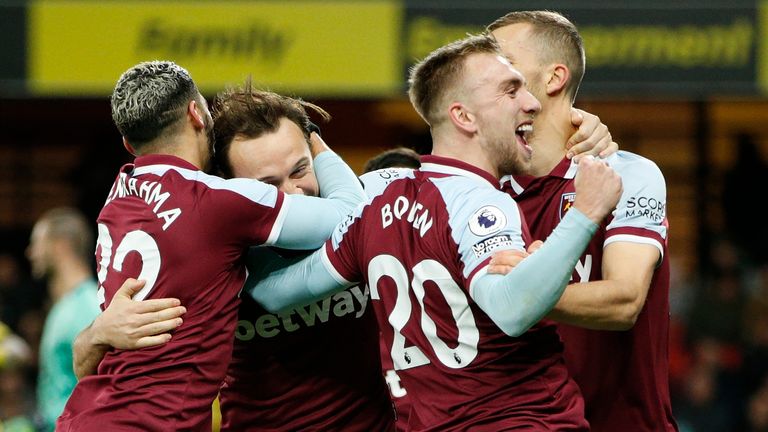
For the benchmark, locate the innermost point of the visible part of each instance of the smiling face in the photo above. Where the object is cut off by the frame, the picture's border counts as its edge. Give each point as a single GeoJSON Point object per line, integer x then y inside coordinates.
{"type": "Point", "coordinates": [280, 158]}
{"type": "Point", "coordinates": [504, 109]}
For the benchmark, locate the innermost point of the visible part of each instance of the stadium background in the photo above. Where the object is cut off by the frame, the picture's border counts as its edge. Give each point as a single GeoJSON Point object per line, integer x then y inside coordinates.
{"type": "Point", "coordinates": [682, 83]}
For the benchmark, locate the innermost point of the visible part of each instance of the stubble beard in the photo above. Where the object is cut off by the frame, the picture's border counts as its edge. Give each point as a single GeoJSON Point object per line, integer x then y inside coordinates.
{"type": "Point", "coordinates": [211, 139]}
{"type": "Point", "coordinates": [512, 161]}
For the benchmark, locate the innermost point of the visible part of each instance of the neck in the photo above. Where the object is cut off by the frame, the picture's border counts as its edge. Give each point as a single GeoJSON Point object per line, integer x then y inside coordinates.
{"type": "Point", "coordinates": [552, 128]}
{"type": "Point", "coordinates": [189, 145]}
{"type": "Point", "coordinates": [69, 273]}
{"type": "Point", "coordinates": [463, 148]}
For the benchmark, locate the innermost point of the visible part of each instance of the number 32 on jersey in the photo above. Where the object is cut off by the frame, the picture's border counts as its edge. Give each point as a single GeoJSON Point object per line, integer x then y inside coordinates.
{"type": "Point", "coordinates": [135, 241]}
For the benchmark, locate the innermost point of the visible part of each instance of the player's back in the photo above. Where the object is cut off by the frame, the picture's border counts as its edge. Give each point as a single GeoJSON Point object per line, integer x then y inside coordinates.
{"type": "Point", "coordinates": [184, 233]}
{"type": "Point", "coordinates": [419, 245]}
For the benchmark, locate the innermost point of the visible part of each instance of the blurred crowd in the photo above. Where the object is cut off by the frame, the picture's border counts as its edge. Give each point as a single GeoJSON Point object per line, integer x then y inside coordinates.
{"type": "Point", "coordinates": [719, 336]}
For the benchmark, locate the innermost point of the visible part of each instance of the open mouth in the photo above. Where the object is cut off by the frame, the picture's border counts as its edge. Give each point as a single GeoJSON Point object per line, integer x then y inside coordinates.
{"type": "Point", "coordinates": [523, 132]}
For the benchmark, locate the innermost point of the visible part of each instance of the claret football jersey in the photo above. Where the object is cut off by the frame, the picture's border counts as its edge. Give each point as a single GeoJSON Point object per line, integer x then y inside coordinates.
{"type": "Point", "coordinates": [185, 233]}
{"type": "Point", "coordinates": [623, 375]}
{"type": "Point", "coordinates": [418, 245]}
{"type": "Point", "coordinates": [312, 368]}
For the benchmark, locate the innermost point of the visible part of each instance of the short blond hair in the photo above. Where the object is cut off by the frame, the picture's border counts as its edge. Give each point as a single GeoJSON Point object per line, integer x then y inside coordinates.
{"type": "Point", "coordinates": [431, 78]}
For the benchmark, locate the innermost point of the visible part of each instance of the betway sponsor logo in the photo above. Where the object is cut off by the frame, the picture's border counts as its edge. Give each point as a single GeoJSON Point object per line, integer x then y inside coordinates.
{"type": "Point", "coordinates": [352, 301]}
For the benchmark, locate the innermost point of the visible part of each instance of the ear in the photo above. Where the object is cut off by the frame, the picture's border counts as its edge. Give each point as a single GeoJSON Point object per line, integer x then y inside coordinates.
{"type": "Point", "coordinates": [128, 147]}
{"type": "Point", "coordinates": [462, 118]}
{"type": "Point", "coordinates": [559, 75]}
{"type": "Point", "coordinates": [196, 115]}
{"type": "Point", "coordinates": [58, 247]}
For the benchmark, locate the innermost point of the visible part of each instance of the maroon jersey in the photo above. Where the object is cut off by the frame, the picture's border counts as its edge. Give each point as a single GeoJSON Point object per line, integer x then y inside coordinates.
{"type": "Point", "coordinates": [312, 368]}
{"type": "Point", "coordinates": [624, 375]}
{"type": "Point", "coordinates": [185, 233]}
{"type": "Point", "coordinates": [419, 245]}
{"type": "Point", "coordinates": [399, 395]}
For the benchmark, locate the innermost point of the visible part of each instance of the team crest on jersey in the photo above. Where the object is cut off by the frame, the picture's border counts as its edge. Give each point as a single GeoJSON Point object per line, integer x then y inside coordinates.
{"type": "Point", "coordinates": [566, 201]}
{"type": "Point", "coordinates": [487, 220]}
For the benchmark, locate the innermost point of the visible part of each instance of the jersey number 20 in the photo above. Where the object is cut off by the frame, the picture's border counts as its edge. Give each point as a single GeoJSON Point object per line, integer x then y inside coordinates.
{"type": "Point", "coordinates": [428, 270]}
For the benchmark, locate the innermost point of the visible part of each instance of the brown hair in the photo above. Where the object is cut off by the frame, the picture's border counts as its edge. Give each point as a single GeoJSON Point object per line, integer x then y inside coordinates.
{"type": "Point", "coordinates": [557, 38]}
{"type": "Point", "coordinates": [245, 112]}
{"type": "Point", "coordinates": [399, 157]}
{"type": "Point", "coordinates": [435, 75]}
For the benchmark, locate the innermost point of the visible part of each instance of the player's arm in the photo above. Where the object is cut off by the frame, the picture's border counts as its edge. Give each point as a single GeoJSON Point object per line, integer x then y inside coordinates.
{"type": "Point", "coordinates": [522, 297]}
{"type": "Point", "coordinates": [519, 299]}
{"type": "Point", "coordinates": [279, 283]}
{"type": "Point", "coordinates": [614, 302]}
{"type": "Point", "coordinates": [125, 324]}
{"type": "Point", "coordinates": [628, 264]}
{"type": "Point", "coordinates": [592, 137]}
{"type": "Point", "coordinates": [609, 304]}
{"type": "Point", "coordinates": [310, 221]}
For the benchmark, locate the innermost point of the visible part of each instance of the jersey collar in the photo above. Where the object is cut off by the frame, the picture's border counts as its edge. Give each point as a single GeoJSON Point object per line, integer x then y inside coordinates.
{"type": "Point", "coordinates": [161, 159]}
{"type": "Point", "coordinates": [444, 165]}
{"type": "Point", "coordinates": [565, 169]}
{"type": "Point", "coordinates": [157, 163]}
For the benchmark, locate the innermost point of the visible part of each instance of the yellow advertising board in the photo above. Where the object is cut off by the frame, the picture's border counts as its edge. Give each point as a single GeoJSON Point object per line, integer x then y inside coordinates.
{"type": "Point", "coordinates": [762, 46]}
{"type": "Point", "coordinates": [307, 47]}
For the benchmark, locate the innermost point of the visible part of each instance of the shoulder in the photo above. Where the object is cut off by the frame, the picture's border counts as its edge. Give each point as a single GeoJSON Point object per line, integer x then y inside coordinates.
{"type": "Point", "coordinates": [477, 206]}
{"type": "Point", "coordinates": [627, 163]}
{"type": "Point", "coordinates": [250, 189]}
{"type": "Point", "coordinates": [462, 191]}
{"type": "Point", "coordinates": [375, 182]}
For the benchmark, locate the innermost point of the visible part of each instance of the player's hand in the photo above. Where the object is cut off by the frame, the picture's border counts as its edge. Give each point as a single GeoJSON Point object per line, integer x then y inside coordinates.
{"type": "Point", "coordinates": [502, 262]}
{"type": "Point", "coordinates": [130, 324]}
{"type": "Point", "coordinates": [598, 188]}
{"type": "Point", "coordinates": [591, 138]}
{"type": "Point", "coordinates": [317, 145]}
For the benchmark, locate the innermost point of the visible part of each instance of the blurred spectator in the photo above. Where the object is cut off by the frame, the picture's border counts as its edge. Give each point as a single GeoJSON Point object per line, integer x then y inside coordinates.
{"type": "Point", "coordinates": [399, 157]}
{"type": "Point", "coordinates": [757, 410]}
{"type": "Point", "coordinates": [16, 403]}
{"type": "Point", "coordinates": [13, 349]}
{"type": "Point", "coordinates": [744, 224]}
{"type": "Point", "coordinates": [755, 368]}
{"type": "Point", "coordinates": [720, 298]}
{"type": "Point", "coordinates": [61, 249]}
{"type": "Point", "coordinates": [699, 409]}
{"type": "Point", "coordinates": [722, 320]}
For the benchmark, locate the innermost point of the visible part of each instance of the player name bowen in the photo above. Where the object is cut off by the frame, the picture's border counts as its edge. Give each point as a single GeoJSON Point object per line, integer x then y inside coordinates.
{"type": "Point", "coordinates": [421, 220]}
{"type": "Point", "coordinates": [151, 192]}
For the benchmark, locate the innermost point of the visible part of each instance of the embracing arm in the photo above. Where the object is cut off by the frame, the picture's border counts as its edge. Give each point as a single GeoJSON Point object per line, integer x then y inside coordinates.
{"type": "Point", "coordinates": [87, 352]}
{"type": "Point", "coordinates": [592, 137]}
{"type": "Point", "coordinates": [279, 283]}
{"type": "Point", "coordinates": [614, 302]}
{"type": "Point", "coordinates": [125, 324]}
{"type": "Point", "coordinates": [310, 220]}
{"type": "Point", "coordinates": [519, 299]}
